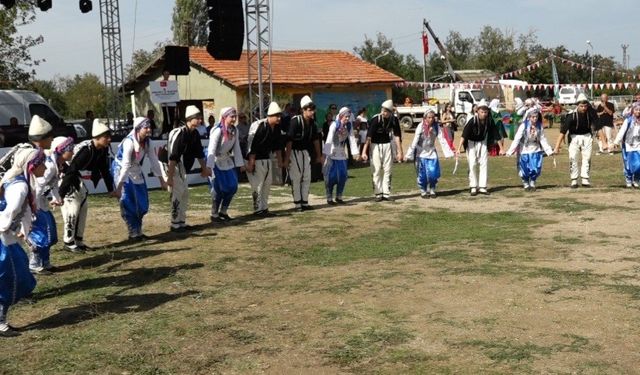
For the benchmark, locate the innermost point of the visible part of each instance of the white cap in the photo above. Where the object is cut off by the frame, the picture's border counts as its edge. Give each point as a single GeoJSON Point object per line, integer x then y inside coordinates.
{"type": "Point", "coordinates": [192, 111]}
{"type": "Point", "coordinates": [482, 103]}
{"type": "Point", "coordinates": [99, 129]}
{"type": "Point", "coordinates": [274, 109]}
{"type": "Point", "coordinates": [39, 127]}
{"type": "Point", "coordinates": [388, 105]}
{"type": "Point", "coordinates": [582, 98]}
{"type": "Point", "coordinates": [305, 101]}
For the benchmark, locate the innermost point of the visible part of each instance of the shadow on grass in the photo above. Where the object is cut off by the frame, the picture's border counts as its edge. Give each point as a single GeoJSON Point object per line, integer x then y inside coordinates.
{"type": "Point", "coordinates": [135, 278]}
{"type": "Point", "coordinates": [116, 255]}
{"type": "Point", "coordinates": [115, 304]}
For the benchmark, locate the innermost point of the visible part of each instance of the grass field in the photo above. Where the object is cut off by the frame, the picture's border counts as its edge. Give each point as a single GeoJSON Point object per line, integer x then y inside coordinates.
{"type": "Point", "coordinates": [517, 282]}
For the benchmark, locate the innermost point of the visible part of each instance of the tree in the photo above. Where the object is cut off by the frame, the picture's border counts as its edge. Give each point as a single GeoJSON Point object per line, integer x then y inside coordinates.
{"type": "Point", "coordinates": [85, 92]}
{"type": "Point", "coordinates": [16, 63]}
{"type": "Point", "coordinates": [189, 24]}
{"type": "Point", "coordinates": [141, 59]}
{"type": "Point", "coordinates": [51, 92]}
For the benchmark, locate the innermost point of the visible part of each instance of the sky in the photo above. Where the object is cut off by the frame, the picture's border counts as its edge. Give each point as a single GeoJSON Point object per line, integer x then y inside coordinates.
{"type": "Point", "coordinates": [72, 40]}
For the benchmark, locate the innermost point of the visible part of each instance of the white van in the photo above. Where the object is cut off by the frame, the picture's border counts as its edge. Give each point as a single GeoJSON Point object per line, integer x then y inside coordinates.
{"type": "Point", "coordinates": [16, 109]}
{"type": "Point", "coordinates": [569, 94]}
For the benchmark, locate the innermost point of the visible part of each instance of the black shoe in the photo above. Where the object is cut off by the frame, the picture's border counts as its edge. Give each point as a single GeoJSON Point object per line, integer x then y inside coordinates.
{"type": "Point", "coordinates": [9, 332]}
{"type": "Point", "coordinates": [226, 217]}
{"type": "Point", "coordinates": [73, 248]}
{"type": "Point", "coordinates": [330, 202]}
{"type": "Point", "coordinates": [473, 192]}
{"type": "Point", "coordinates": [340, 201]}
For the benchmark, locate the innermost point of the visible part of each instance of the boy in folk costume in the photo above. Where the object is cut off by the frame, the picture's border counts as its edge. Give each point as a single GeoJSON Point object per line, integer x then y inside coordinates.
{"type": "Point", "coordinates": [480, 131]}
{"type": "Point", "coordinates": [302, 137]}
{"type": "Point", "coordinates": [384, 128]}
{"type": "Point", "coordinates": [224, 155]}
{"type": "Point", "coordinates": [43, 233]}
{"type": "Point", "coordinates": [92, 155]}
{"type": "Point", "coordinates": [17, 187]}
{"type": "Point", "coordinates": [263, 141]}
{"type": "Point", "coordinates": [183, 148]}
{"type": "Point", "coordinates": [130, 184]}
{"type": "Point", "coordinates": [424, 146]}
{"type": "Point", "coordinates": [629, 137]}
{"type": "Point", "coordinates": [335, 164]}
{"type": "Point", "coordinates": [530, 143]}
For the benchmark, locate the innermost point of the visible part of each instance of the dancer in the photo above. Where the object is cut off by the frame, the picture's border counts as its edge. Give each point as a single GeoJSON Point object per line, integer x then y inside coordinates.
{"type": "Point", "coordinates": [128, 178]}
{"type": "Point", "coordinates": [383, 128]}
{"type": "Point", "coordinates": [44, 233]}
{"type": "Point", "coordinates": [530, 143]}
{"type": "Point", "coordinates": [629, 137]}
{"type": "Point", "coordinates": [335, 164]}
{"type": "Point", "coordinates": [480, 131]}
{"type": "Point", "coordinates": [224, 155]}
{"type": "Point", "coordinates": [424, 146]}
{"type": "Point", "coordinates": [17, 185]}
{"type": "Point", "coordinates": [263, 142]}
{"type": "Point", "coordinates": [92, 155]}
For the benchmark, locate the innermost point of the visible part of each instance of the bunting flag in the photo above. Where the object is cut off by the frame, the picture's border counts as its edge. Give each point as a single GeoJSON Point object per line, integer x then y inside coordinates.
{"type": "Point", "coordinates": [556, 81]}
{"type": "Point", "coordinates": [556, 86]}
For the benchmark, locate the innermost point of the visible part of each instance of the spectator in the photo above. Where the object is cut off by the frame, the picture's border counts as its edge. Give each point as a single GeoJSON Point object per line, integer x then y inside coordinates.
{"type": "Point", "coordinates": [448, 123]}
{"type": "Point", "coordinates": [151, 116]}
{"type": "Point", "coordinates": [13, 121]}
{"type": "Point", "coordinates": [605, 115]}
{"type": "Point", "coordinates": [87, 124]}
{"type": "Point", "coordinates": [408, 101]}
{"type": "Point", "coordinates": [328, 119]}
{"type": "Point", "coordinates": [243, 132]}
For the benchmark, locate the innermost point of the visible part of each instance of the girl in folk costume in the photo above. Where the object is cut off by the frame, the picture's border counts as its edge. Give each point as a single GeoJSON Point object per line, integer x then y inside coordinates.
{"type": "Point", "coordinates": [530, 144]}
{"type": "Point", "coordinates": [629, 137]}
{"type": "Point", "coordinates": [335, 164]}
{"type": "Point", "coordinates": [424, 146]}
{"type": "Point", "coordinates": [16, 281]}
{"type": "Point", "coordinates": [43, 233]}
{"type": "Point", "coordinates": [223, 156]}
{"type": "Point", "coordinates": [129, 179]}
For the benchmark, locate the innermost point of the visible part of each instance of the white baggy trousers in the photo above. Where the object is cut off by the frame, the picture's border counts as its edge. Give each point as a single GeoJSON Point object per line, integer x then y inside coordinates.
{"type": "Point", "coordinates": [74, 213]}
{"type": "Point", "coordinates": [179, 195]}
{"type": "Point", "coordinates": [477, 156]}
{"type": "Point", "coordinates": [260, 181]}
{"type": "Point", "coordinates": [381, 163]}
{"type": "Point", "coordinates": [580, 144]}
{"type": "Point", "coordinates": [300, 174]}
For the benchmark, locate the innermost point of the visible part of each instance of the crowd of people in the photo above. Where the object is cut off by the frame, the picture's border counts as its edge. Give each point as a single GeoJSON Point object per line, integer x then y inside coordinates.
{"type": "Point", "coordinates": [46, 173]}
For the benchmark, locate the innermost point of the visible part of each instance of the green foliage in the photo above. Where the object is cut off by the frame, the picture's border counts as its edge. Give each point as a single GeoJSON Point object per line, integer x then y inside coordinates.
{"type": "Point", "coordinates": [189, 23]}
{"type": "Point", "coordinates": [16, 64]}
{"type": "Point", "coordinates": [85, 92]}
{"type": "Point", "coordinates": [141, 58]}
{"type": "Point", "coordinates": [51, 92]}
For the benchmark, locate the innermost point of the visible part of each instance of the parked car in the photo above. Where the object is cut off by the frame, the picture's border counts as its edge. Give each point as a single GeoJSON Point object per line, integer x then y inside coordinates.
{"type": "Point", "coordinates": [22, 105]}
{"type": "Point", "coordinates": [569, 94]}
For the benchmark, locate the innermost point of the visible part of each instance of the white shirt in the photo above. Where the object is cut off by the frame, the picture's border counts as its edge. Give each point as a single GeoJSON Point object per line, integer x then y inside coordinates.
{"type": "Point", "coordinates": [48, 183]}
{"type": "Point", "coordinates": [630, 130]}
{"type": "Point", "coordinates": [335, 146]}
{"type": "Point", "coordinates": [532, 142]}
{"type": "Point", "coordinates": [130, 165]}
{"type": "Point", "coordinates": [16, 217]}
{"type": "Point", "coordinates": [219, 152]}
{"type": "Point", "coordinates": [425, 144]}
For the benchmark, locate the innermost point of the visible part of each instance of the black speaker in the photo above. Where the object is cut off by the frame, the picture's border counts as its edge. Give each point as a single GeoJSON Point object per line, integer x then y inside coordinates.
{"type": "Point", "coordinates": [226, 29]}
{"type": "Point", "coordinates": [176, 60]}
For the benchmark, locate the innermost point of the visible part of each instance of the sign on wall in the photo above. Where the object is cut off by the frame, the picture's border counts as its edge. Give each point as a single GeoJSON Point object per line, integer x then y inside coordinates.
{"type": "Point", "coordinates": [164, 92]}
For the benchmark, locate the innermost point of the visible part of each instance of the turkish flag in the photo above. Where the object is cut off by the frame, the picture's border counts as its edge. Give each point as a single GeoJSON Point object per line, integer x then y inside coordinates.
{"type": "Point", "coordinates": [425, 44]}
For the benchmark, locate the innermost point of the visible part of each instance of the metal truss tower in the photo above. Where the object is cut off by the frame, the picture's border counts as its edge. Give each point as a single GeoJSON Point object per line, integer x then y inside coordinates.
{"type": "Point", "coordinates": [258, 31]}
{"type": "Point", "coordinates": [112, 58]}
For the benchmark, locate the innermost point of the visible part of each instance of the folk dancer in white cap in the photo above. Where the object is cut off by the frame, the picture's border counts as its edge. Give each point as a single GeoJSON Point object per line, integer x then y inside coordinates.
{"type": "Point", "coordinates": [224, 155]}
{"type": "Point", "coordinates": [183, 148]}
{"type": "Point", "coordinates": [423, 148]}
{"type": "Point", "coordinates": [302, 136]}
{"type": "Point", "coordinates": [91, 155]}
{"type": "Point", "coordinates": [335, 152]}
{"type": "Point", "coordinates": [263, 142]}
{"type": "Point", "coordinates": [43, 233]}
{"type": "Point", "coordinates": [530, 144]}
{"type": "Point", "coordinates": [579, 126]}
{"type": "Point", "coordinates": [479, 131]}
{"type": "Point", "coordinates": [17, 187]}
{"type": "Point", "coordinates": [129, 179]}
{"type": "Point", "coordinates": [629, 137]}
{"type": "Point", "coordinates": [383, 128]}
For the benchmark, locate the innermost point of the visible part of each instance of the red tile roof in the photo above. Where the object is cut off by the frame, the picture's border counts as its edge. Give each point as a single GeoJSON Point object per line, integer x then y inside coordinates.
{"type": "Point", "coordinates": [298, 67]}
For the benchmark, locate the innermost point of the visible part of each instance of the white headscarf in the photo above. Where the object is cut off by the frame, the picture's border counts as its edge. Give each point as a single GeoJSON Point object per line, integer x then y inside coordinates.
{"type": "Point", "coordinates": [22, 160]}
